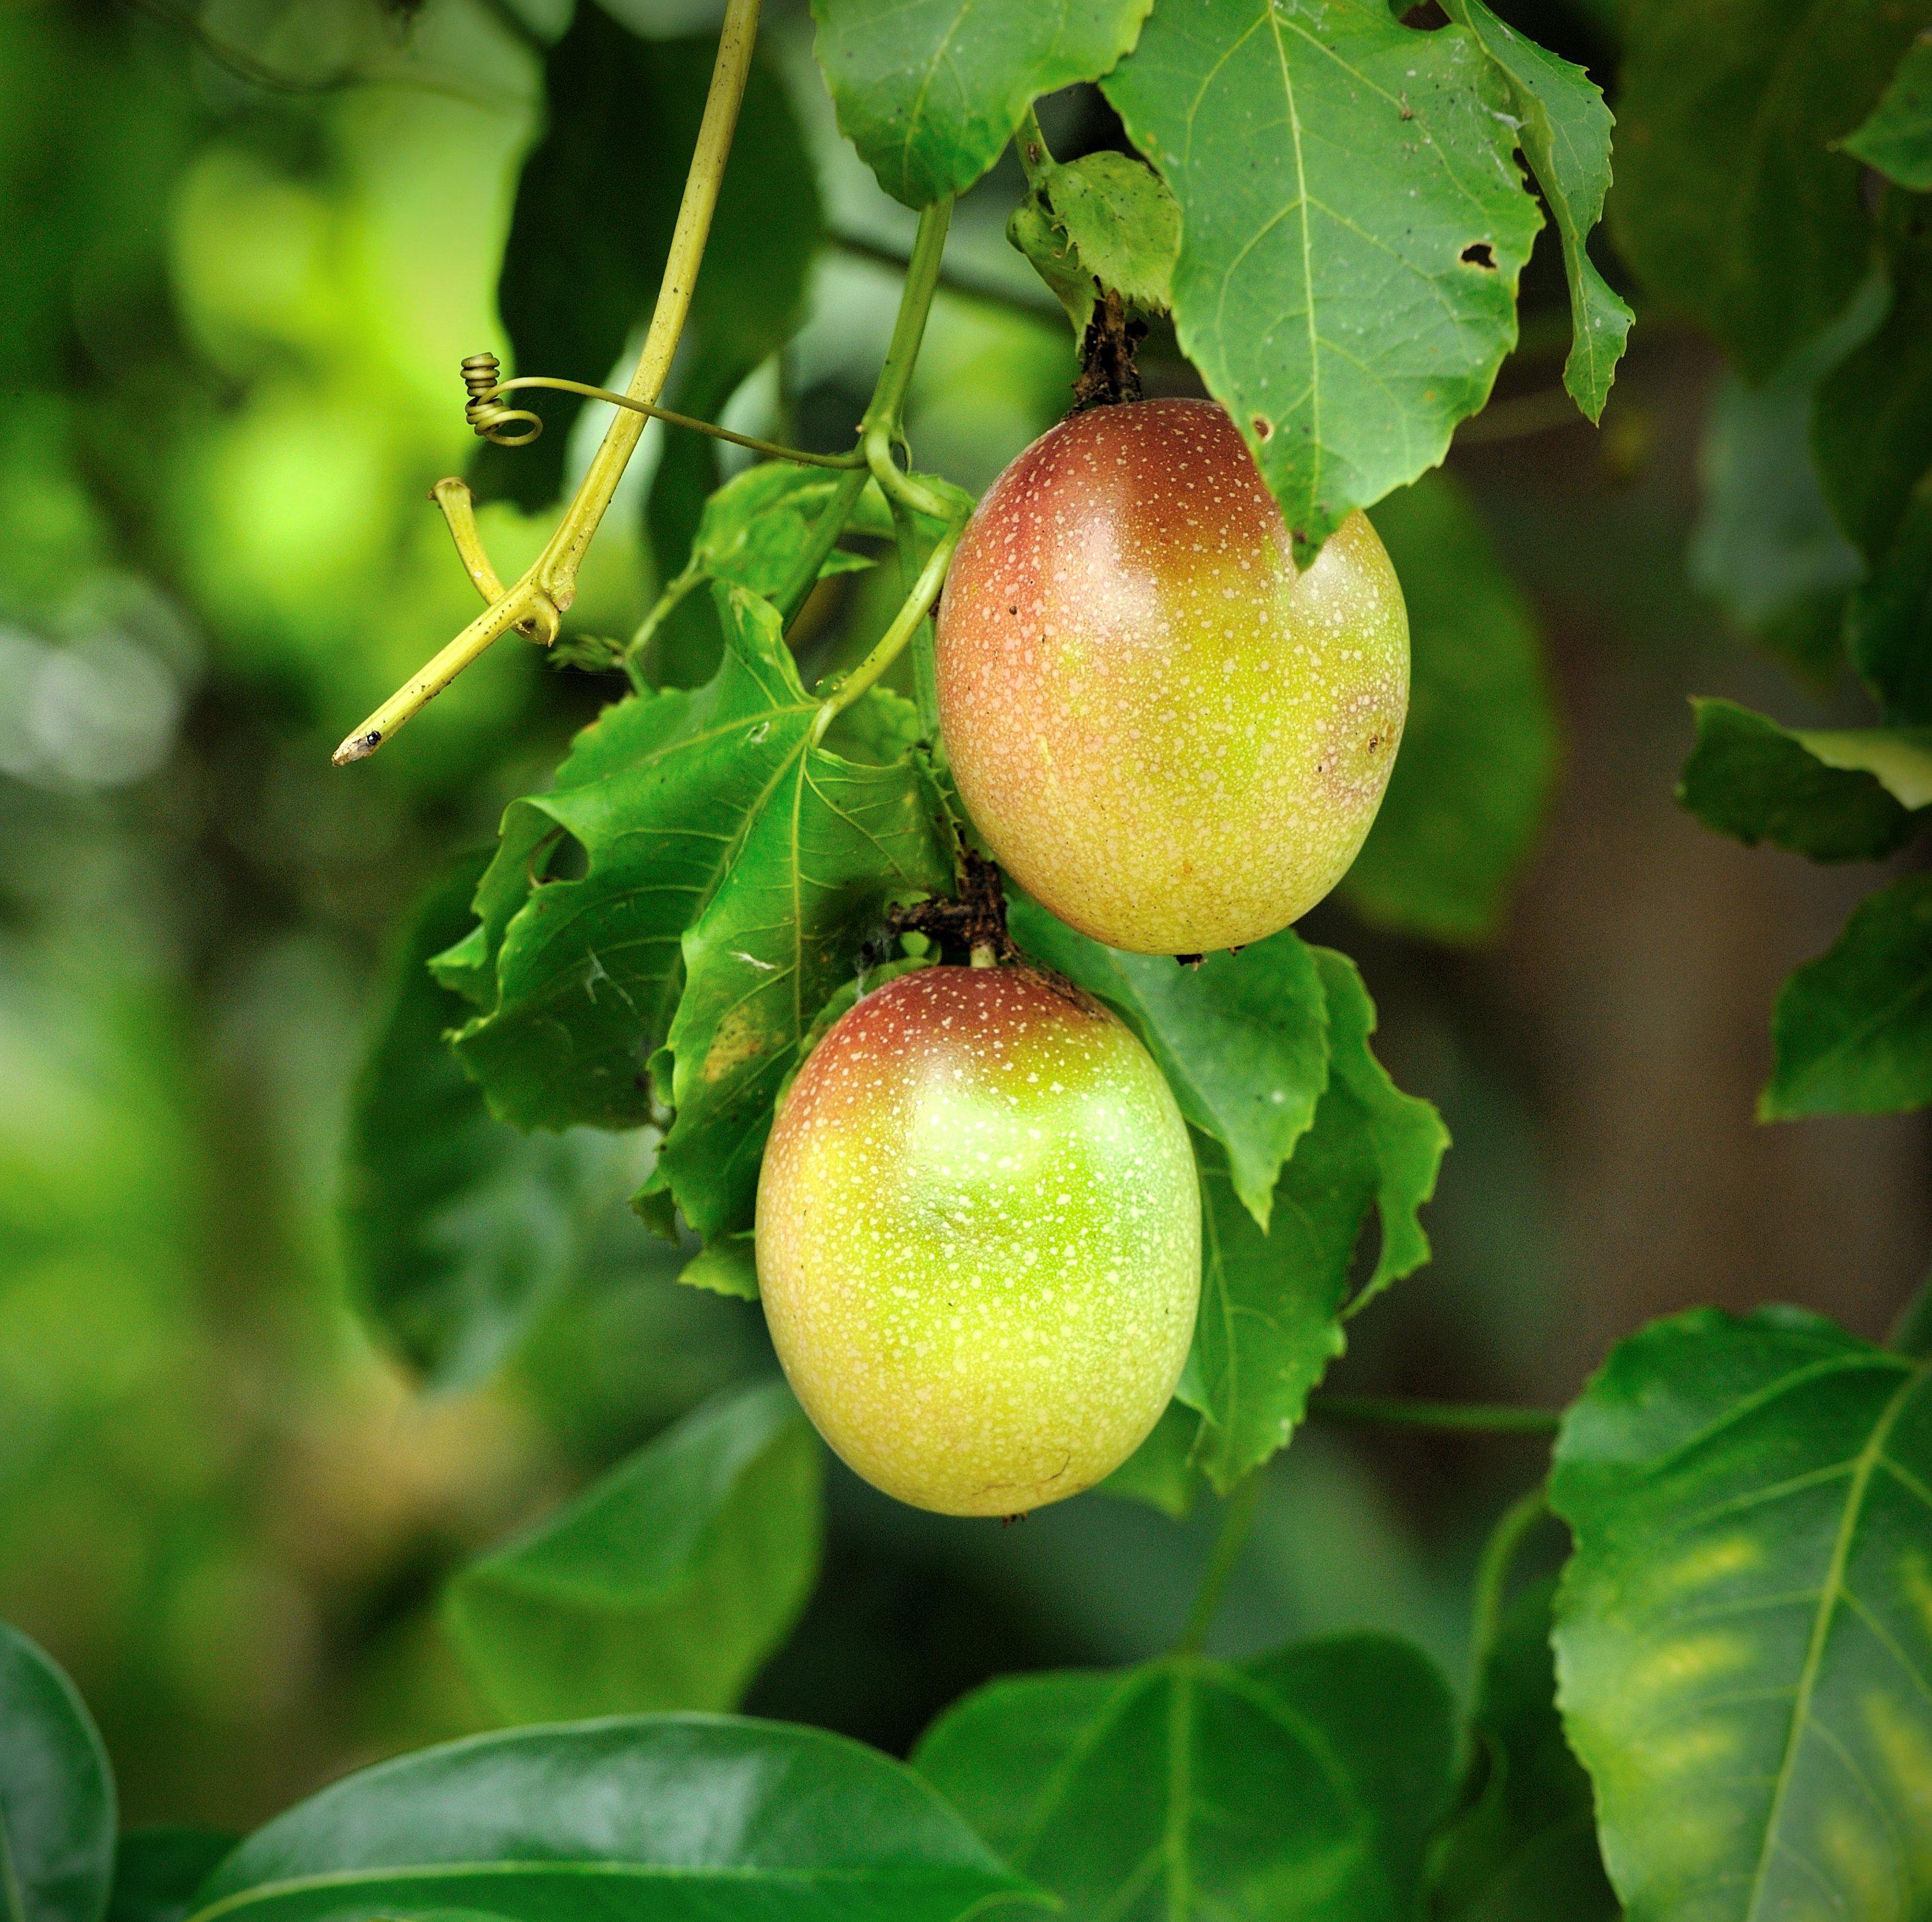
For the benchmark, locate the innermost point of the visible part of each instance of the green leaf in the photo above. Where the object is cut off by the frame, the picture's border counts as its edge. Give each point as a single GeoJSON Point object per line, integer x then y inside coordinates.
{"type": "Point", "coordinates": [1353, 225]}
{"type": "Point", "coordinates": [1472, 784]}
{"type": "Point", "coordinates": [1766, 545]}
{"type": "Point", "coordinates": [1732, 204]}
{"type": "Point", "coordinates": [668, 1584]}
{"type": "Point", "coordinates": [1401, 1136]}
{"type": "Point", "coordinates": [1743, 1639]}
{"type": "Point", "coordinates": [1872, 432]}
{"type": "Point", "coordinates": [157, 1870]}
{"type": "Point", "coordinates": [1834, 796]}
{"type": "Point", "coordinates": [827, 844]}
{"type": "Point", "coordinates": [56, 1794]}
{"type": "Point", "coordinates": [1298, 1788]}
{"type": "Point", "coordinates": [930, 91]}
{"type": "Point", "coordinates": [456, 1229]}
{"type": "Point", "coordinates": [731, 872]}
{"type": "Point", "coordinates": [1242, 1038]}
{"type": "Point", "coordinates": [1272, 1304]}
{"type": "Point", "coordinates": [596, 205]}
{"type": "Point", "coordinates": [1897, 139]}
{"type": "Point", "coordinates": [1270, 1316]}
{"type": "Point", "coordinates": [679, 1818]}
{"type": "Point", "coordinates": [729, 1266]}
{"type": "Point", "coordinates": [1852, 1033]}
{"type": "Point", "coordinates": [1161, 1471]}
{"type": "Point", "coordinates": [1104, 218]}
{"type": "Point", "coordinates": [1522, 1848]}
{"type": "Point", "coordinates": [1888, 624]}
{"type": "Point", "coordinates": [1566, 139]}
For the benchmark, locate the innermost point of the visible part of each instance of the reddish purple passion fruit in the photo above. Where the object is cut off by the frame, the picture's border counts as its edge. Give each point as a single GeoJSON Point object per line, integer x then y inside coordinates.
{"type": "Point", "coordinates": [1167, 734]}
{"type": "Point", "coordinates": [978, 1239]}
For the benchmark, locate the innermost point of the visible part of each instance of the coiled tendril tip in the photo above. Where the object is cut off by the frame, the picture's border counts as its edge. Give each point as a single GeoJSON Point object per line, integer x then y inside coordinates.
{"type": "Point", "coordinates": [482, 377]}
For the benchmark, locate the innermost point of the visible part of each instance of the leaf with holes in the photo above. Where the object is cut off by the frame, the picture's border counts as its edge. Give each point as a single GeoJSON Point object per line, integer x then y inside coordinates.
{"type": "Point", "coordinates": [664, 1586]}
{"type": "Point", "coordinates": [679, 1817]}
{"type": "Point", "coordinates": [731, 871]}
{"type": "Point", "coordinates": [929, 90]}
{"type": "Point", "coordinates": [1299, 1787]}
{"type": "Point", "coordinates": [1566, 138]}
{"type": "Point", "coordinates": [1851, 1032]}
{"type": "Point", "coordinates": [1353, 225]}
{"type": "Point", "coordinates": [56, 1795]}
{"type": "Point", "coordinates": [1744, 1632]}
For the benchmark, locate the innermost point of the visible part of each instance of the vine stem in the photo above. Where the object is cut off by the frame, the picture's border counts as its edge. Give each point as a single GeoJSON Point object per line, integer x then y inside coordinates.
{"type": "Point", "coordinates": [549, 585]}
{"type": "Point", "coordinates": [1397, 1411]}
{"type": "Point", "coordinates": [887, 649]}
{"type": "Point", "coordinates": [879, 432]}
{"type": "Point", "coordinates": [1238, 1519]}
{"type": "Point", "coordinates": [771, 449]}
{"type": "Point", "coordinates": [1493, 1571]}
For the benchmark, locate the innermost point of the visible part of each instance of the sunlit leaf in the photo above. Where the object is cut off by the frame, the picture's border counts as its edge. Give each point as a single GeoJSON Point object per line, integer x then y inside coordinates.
{"type": "Point", "coordinates": [1743, 1642]}
{"type": "Point", "coordinates": [667, 1584]}
{"type": "Point", "coordinates": [1852, 1030]}
{"type": "Point", "coordinates": [1296, 1788]}
{"type": "Point", "coordinates": [1352, 227]}
{"type": "Point", "coordinates": [1566, 137]}
{"type": "Point", "coordinates": [1104, 219]}
{"type": "Point", "coordinates": [56, 1795]}
{"type": "Point", "coordinates": [1834, 796]}
{"type": "Point", "coordinates": [457, 1229]}
{"type": "Point", "coordinates": [1734, 202]}
{"type": "Point", "coordinates": [676, 1818]}
{"type": "Point", "coordinates": [929, 90]}
{"type": "Point", "coordinates": [731, 871]}
{"type": "Point", "coordinates": [1897, 139]}
{"type": "Point", "coordinates": [1472, 783]}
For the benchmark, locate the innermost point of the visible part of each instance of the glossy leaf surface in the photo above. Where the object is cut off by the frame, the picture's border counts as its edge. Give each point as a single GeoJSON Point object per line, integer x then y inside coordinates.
{"type": "Point", "coordinates": [1295, 1787]}
{"type": "Point", "coordinates": [1743, 1641]}
{"type": "Point", "coordinates": [669, 1818]}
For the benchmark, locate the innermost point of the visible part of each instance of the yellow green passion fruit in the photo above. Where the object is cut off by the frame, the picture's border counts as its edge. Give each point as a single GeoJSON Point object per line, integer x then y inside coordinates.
{"type": "Point", "coordinates": [978, 1239]}
{"type": "Point", "coordinates": [1166, 734]}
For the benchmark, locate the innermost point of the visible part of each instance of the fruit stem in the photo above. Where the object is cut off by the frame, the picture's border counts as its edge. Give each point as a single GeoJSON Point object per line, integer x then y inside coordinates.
{"type": "Point", "coordinates": [1035, 156]}
{"type": "Point", "coordinates": [549, 586]}
{"type": "Point", "coordinates": [1493, 1571]}
{"type": "Point", "coordinates": [1237, 1518]}
{"type": "Point", "coordinates": [1396, 1411]}
{"type": "Point", "coordinates": [879, 432]}
{"type": "Point", "coordinates": [905, 623]}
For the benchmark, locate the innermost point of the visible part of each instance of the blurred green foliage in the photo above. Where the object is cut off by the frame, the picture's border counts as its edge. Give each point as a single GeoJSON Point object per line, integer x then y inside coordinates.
{"type": "Point", "coordinates": [247, 244]}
